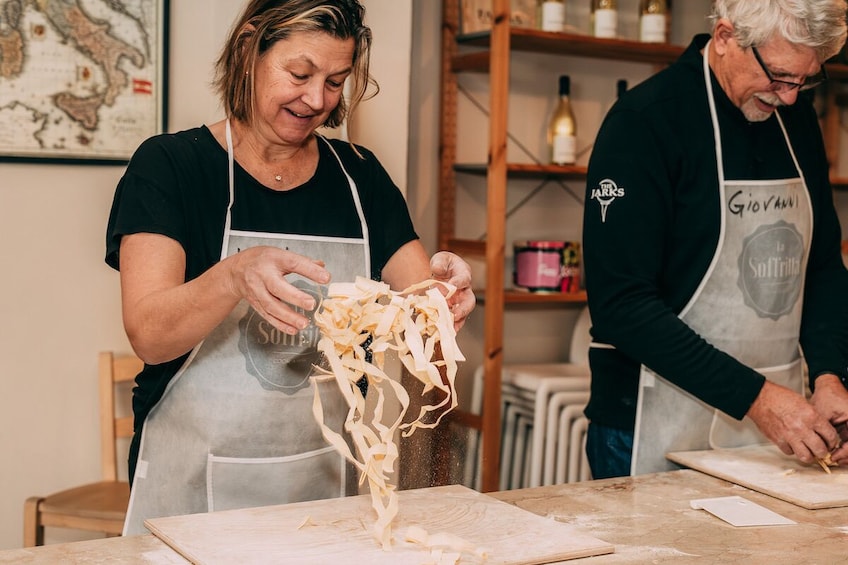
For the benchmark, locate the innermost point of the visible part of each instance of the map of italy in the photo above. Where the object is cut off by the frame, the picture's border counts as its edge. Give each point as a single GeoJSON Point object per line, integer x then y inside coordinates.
{"type": "Point", "coordinates": [78, 78]}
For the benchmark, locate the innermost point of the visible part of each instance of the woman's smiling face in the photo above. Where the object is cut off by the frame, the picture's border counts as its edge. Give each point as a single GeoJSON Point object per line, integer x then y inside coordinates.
{"type": "Point", "coordinates": [298, 82]}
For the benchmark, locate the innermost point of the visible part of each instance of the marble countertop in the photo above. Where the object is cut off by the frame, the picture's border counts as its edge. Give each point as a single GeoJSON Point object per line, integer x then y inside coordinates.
{"type": "Point", "coordinates": [130, 550]}
{"type": "Point", "coordinates": [647, 518]}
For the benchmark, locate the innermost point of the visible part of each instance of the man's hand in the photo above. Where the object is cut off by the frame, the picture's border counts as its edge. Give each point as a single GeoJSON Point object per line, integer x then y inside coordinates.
{"type": "Point", "coordinates": [791, 423]}
{"type": "Point", "coordinates": [830, 400]}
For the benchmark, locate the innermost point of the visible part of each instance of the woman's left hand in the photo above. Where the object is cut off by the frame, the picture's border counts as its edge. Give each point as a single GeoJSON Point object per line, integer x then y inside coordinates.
{"type": "Point", "coordinates": [449, 267]}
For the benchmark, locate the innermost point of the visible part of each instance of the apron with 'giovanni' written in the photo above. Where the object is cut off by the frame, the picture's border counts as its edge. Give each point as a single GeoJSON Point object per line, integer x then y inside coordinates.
{"type": "Point", "coordinates": [234, 428]}
{"type": "Point", "coordinates": [747, 305]}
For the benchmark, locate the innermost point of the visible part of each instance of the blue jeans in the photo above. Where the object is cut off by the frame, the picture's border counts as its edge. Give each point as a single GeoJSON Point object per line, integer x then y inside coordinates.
{"type": "Point", "coordinates": [609, 451]}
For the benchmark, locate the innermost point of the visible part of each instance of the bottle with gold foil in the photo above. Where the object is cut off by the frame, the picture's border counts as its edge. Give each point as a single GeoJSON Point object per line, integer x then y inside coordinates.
{"type": "Point", "coordinates": [562, 127]}
{"type": "Point", "coordinates": [620, 88]}
{"type": "Point", "coordinates": [605, 18]}
{"type": "Point", "coordinates": [653, 21]}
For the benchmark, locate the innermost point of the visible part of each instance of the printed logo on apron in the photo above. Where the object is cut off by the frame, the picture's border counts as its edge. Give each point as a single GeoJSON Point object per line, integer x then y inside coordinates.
{"type": "Point", "coordinates": [234, 428]}
{"type": "Point", "coordinates": [770, 275]}
{"type": "Point", "coordinates": [757, 274]}
{"type": "Point", "coordinates": [280, 361]}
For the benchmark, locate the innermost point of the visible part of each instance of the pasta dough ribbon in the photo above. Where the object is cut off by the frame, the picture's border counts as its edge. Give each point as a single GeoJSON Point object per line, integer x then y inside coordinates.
{"type": "Point", "coordinates": [360, 322]}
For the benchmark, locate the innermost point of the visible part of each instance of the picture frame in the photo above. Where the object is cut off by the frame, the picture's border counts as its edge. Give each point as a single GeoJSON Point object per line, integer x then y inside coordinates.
{"type": "Point", "coordinates": [85, 82]}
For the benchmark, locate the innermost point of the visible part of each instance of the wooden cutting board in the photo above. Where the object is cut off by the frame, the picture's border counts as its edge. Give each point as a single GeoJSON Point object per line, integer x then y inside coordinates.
{"type": "Point", "coordinates": [767, 470]}
{"type": "Point", "coordinates": [339, 531]}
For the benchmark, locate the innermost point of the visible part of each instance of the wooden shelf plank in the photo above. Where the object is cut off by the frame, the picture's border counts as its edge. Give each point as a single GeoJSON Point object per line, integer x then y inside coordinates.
{"type": "Point", "coordinates": [536, 41]}
{"type": "Point", "coordinates": [532, 170]}
{"type": "Point", "coordinates": [527, 170]}
{"type": "Point", "coordinates": [471, 247]}
{"type": "Point", "coordinates": [839, 183]}
{"type": "Point", "coordinates": [837, 71]}
{"type": "Point", "coordinates": [477, 62]}
{"type": "Point", "coordinates": [514, 296]}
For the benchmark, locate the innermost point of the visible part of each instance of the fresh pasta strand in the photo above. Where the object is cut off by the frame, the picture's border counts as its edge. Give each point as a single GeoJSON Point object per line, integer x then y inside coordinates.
{"type": "Point", "coordinates": [360, 322]}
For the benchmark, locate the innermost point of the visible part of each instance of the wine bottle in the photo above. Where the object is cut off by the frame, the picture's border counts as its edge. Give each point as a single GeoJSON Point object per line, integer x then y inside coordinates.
{"type": "Point", "coordinates": [605, 18]}
{"type": "Point", "coordinates": [562, 128]}
{"type": "Point", "coordinates": [620, 88]}
{"type": "Point", "coordinates": [552, 15]}
{"type": "Point", "coordinates": [653, 21]}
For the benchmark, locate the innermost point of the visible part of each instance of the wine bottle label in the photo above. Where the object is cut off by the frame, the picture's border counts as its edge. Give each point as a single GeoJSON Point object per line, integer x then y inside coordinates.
{"type": "Point", "coordinates": [652, 28]}
{"type": "Point", "coordinates": [553, 16]}
{"type": "Point", "coordinates": [606, 23]}
{"type": "Point", "coordinates": [564, 150]}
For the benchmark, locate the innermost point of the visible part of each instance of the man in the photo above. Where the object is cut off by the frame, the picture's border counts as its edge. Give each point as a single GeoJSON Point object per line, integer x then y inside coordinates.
{"type": "Point", "coordinates": [712, 250]}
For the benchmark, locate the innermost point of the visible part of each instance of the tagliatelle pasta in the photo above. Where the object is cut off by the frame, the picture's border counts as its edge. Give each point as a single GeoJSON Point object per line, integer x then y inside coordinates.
{"type": "Point", "coordinates": [826, 463]}
{"type": "Point", "coordinates": [442, 541]}
{"type": "Point", "coordinates": [360, 323]}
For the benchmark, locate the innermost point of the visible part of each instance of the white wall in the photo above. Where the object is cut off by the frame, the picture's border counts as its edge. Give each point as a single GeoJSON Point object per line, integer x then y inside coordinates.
{"type": "Point", "coordinates": [60, 303]}
{"type": "Point", "coordinates": [382, 123]}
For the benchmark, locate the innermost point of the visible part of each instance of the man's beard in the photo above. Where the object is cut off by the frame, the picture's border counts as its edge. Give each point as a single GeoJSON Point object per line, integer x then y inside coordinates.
{"type": "Point", "coordinates": [753, 113]}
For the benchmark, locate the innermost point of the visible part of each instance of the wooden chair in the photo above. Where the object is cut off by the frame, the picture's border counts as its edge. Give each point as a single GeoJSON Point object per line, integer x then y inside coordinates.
{"type": "Point", "coordinates": [100, 506]}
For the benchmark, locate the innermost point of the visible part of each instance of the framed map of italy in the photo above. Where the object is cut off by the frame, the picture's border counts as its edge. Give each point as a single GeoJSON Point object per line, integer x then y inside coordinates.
{"type": "Point", "coordinates": [81, 80]}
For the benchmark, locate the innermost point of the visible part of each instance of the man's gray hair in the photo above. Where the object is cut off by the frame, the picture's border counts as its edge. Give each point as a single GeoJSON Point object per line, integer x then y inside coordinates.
{"type": "Point", "coordinates": [819, 24]}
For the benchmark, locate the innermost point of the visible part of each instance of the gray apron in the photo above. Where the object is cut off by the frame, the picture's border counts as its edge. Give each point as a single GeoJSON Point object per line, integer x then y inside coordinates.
{"type": "Point", "coordinates": [234, 427]}
{"type": "Point", "coordinates": [747, 305]}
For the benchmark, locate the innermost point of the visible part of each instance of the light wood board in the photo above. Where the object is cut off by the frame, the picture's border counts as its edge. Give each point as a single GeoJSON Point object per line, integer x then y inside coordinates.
{"type": "Point", "coordinates": [767, 470]}
{"type": "Point", "coordinates": [339, 531]}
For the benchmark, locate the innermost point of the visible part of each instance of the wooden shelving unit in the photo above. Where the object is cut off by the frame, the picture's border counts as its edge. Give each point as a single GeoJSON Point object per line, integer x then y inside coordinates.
{"type": "Point", "coordinates": [489, 52]}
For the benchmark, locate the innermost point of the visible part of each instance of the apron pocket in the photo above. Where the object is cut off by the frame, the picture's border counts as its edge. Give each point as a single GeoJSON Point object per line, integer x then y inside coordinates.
{"type": "Point", "coordinates": [240, 482]}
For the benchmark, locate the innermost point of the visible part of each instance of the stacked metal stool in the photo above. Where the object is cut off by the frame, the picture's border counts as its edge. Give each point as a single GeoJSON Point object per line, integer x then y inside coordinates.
{"type": "Point", "coordinates": [543, 428]}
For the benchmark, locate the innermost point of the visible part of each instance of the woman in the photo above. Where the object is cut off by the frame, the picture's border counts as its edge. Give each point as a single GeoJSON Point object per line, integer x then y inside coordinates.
{"type": "Point", "coordinates": [225, 236]}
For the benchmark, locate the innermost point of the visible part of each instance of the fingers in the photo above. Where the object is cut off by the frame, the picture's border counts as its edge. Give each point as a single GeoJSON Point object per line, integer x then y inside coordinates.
{"type": "Point", "coordinates": [261, 275]}
{"type": "Point", "coordinates": [791, 423]}
{"type": "Point", "coordinates": [440, 264]}
{"type": "Point", "coordinates": [808, 449]}
{"type": "Point", "coordinates": [449, 267]}
{"type": "Point", "coordinates": [461, 305]}
{"type": "Point", "coordinates": [784, 447]}
{"type": "Point", "coordinates": [840, 455]}
{"type": "Point", "coordinates": [283, 318]}
{"type": "Point", "coordinates": [285, 306]}
{"type": "Point", "coordinates": [810, 436]}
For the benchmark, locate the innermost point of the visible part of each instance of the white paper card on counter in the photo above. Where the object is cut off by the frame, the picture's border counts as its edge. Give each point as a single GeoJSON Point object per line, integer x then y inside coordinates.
{"type": "Point", "coordinates": [739, 511]}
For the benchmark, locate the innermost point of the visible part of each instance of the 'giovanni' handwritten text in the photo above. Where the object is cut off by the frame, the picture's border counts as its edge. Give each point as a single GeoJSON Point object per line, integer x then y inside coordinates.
{"type": "Point", "coordinates": [742, 203]}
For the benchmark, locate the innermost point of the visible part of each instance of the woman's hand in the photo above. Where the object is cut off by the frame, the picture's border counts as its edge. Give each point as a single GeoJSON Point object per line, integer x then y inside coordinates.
{"type": "Point", "coordinates": [449, 267]}
{"type": "Point", "coordinates": [258, 276]}
{"type": "Point", "coordinates": [410, 265]}
{"type": "Point", "coordinates": [165, 316]}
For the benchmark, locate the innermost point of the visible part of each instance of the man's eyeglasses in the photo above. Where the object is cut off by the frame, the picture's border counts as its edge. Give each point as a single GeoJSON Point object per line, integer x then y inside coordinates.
{"type": "Point", "coordinates": [786, 86]}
